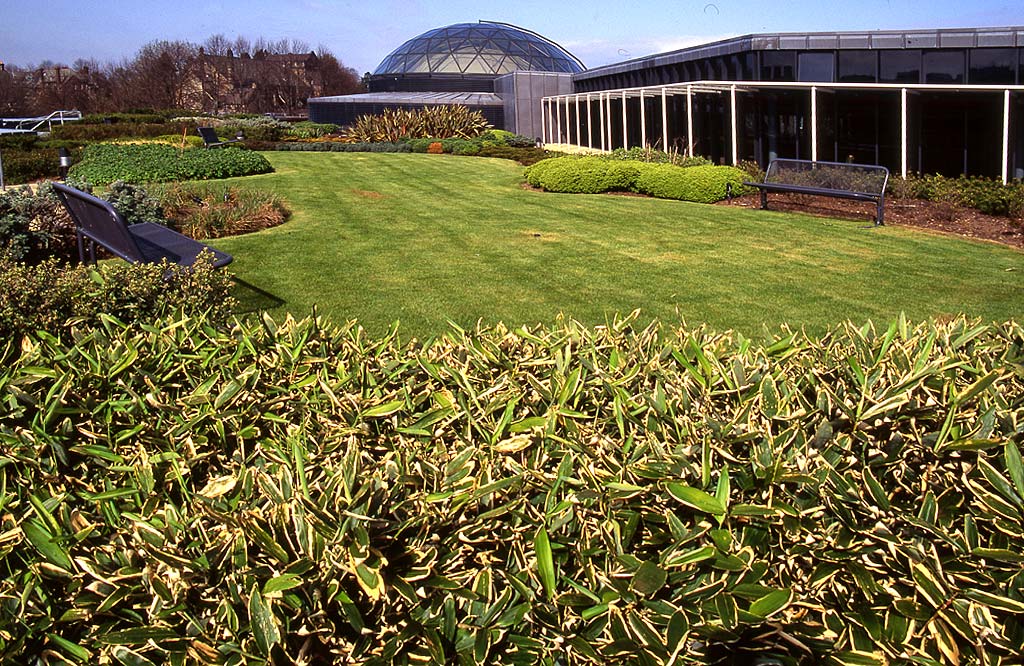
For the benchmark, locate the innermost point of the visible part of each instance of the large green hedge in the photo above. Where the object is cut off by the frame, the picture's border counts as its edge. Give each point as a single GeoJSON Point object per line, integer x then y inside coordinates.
{"type": "Point", "coordinates": [142, 163]}
{"type": "Point", "coordinates": [592, 175]}
{"type": "Point", "coordinates": [303, 493]}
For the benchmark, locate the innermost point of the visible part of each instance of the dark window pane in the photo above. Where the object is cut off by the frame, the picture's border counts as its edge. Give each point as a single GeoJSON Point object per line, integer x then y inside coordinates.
{"type": "Point", "coordinates": [900, 66]}
{"type": "Point", "coordinates": [778, 66]}
{"type": "Point", "coordinates": [944, 67]}
{"type": "Point", "coordinates": [858, 67]}
{"type": "Point", "coordinates": [817, 66]}
{"type": "Point", "coordinates": [992, 66]}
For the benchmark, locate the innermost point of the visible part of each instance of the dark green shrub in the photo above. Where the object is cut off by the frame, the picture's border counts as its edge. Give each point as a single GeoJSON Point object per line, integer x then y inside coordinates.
{"type": "Point", "coordinates": [310, 130]}
{"type": "Point", "coordinates": [525, 156]}
{"type": "Point", "coordinates": [53, 297]}
{"type": "Point", "coordinates": [338, 147]}
{"type": "Point", "coordinates": [105, 163]}
{"type": "Point", "coordinates": [700, 184]}
{"type": "Point", "coordinates": [119, 118]}
{"type": "Point", "coordinates": [18, 141]}
{"type": "Point", "coordinates": [79, 132]}
{"type": "Point", "coordinates": [34, 225]}
{"type": "Point", "coordinates": [176, 493]}
{"type": "Point", "coordinates": [134, 203]}
{"type": "Point", "coordinates": [654, 156]}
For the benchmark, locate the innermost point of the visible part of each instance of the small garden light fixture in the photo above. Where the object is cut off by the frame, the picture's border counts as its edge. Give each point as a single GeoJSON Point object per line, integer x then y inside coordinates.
{"type": "Point", "coordinates": [65, 162]}
{"type": "Point", "coordinates": [240, 135]}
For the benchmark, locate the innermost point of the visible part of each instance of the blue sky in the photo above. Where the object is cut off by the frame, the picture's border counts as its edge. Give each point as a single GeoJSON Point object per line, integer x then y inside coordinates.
{"type": "Point", "coordinates": [361, 33]}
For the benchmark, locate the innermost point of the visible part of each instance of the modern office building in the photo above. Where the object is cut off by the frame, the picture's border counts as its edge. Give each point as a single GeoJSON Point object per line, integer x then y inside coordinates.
{"type": "Point", "coordinates": [937, 101]}
{"type": "Point", "coordinates": [499, 69]}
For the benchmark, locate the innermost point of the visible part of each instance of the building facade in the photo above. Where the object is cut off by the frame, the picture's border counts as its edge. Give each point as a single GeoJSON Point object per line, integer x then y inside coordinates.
{"type": "Point", "coordinates": [934, 101]}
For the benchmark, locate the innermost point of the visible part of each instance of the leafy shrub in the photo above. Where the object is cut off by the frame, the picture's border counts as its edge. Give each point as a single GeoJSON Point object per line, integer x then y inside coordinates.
{"type": "Point", "coordinates": [80, 132]}
{"type": "Point", "coordinates": [335, 147]}
{"type": "Point", "coordinates": [134, 203]}
{"type": "Point", "coordinates": [497, 137]}
{"type": "Point", "coordinates": [105, 163]}
{"type": "Point", "coordinates": [53, 297]}
{"type": "Point", "coordinates": [435, 148]}
{"type": "Point", "coordinates": [34, 225]}
{"type": "Point", "coordinates": [525, 156]}
{"type": "Point", "coordinates": [310, 130]}
{"type": "Point", "coordinates": [118, 118]}
{"type": "Point", "coordinates": [18, 141]}
{"type": "Point", "coordinates": [654, 156]}
{"type": "Point", "coordinates": [552, 495]}
{"type": "Point", "coordinates": [987, 195]}
{"type": "Point", "coordinates": [214, 210]}
{"type": "Point", "coordinates": [700, 184]}
{"type": "Point", "coordinates": [25, 166]}
{"type": "Point", "coordinates": [593, 175]}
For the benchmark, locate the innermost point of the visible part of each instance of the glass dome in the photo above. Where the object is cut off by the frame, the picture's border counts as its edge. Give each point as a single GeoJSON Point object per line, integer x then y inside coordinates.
{"type": "Point", "coordinates": [478, 48]}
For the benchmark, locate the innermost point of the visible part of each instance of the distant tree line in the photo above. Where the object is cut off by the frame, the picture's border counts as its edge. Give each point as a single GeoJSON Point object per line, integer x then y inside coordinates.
{"type": "Point", "coordinates": [219, 75]}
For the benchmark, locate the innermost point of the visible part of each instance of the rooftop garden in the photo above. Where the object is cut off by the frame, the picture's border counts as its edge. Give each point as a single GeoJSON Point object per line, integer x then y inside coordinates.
{"type": "Point", "coordinates": [606, 429]}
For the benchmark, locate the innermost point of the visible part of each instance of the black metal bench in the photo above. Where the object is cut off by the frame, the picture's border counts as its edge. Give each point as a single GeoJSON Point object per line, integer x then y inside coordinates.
{"type": "Point", "coordinates": [97, 223]}
{"type": "Point", "coordinates": [211, 139]}
{"type": "Point", "coordinates": [863, 182]}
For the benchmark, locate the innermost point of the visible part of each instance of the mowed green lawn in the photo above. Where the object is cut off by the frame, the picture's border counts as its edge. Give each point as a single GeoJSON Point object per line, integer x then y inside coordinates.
{"type": "Point", "coordinates": [427, 238]}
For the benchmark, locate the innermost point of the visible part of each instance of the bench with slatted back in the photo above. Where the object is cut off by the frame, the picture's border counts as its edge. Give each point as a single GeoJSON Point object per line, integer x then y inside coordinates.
{"type": "Point", "coordinates": [863, 182]}
{"type": "Point", "coordinates": [98, 223]}
{"type": "Point", "coordinates": [211, 140]}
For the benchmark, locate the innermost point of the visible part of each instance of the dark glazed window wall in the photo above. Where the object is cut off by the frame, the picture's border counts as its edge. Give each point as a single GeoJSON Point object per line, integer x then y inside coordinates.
{"type": "Point", "coordinates": [900, 66]}
{"type": "Point", "coordinates": [992, 66]}
{"type": "Point", "coordinates": [858, 67]}
{"type": "Point", "coordinates": [818, 66]}
{"type": "Point", "coordinates": [943, 67]}
{"type": "Point", "coordinates": [778, 66]}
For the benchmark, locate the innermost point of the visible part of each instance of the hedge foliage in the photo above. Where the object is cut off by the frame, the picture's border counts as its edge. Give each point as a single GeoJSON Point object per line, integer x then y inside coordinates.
{"type": "Point", "coordinates": [988, 195]}
{"type": "Point", "coordinates": [142, 163]}
{"type": "Point", "coordinates": [34, 225]}
{"type": "Point", "coordinates": [175, 493]}
{"type": "Point", "coordinates": [26, 166]}
{"type": "Point", "coordinates": [339, 147]}
{"type": "Point", "coordinates": [592, 175]}
{"type": "Point", "coordinates": [54, 297]}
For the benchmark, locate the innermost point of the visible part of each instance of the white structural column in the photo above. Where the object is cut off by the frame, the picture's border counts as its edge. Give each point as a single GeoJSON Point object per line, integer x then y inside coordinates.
{"type": "Point", "coordinates": [568, 129]}
{"type": "Point", "coordinates": [607, 112]}
{"type": "Point", "coordinates": [814, 124]}
{"type": "Point", "coordinates": [579, 142]}
{"type": "Point", "coordinates": [558, 122]}
{"type": "Point", "coordinates": [689, 120]}
{"type": "Point", "coordinates": [590, 125]}
{"type": "Point", "coordinates": [1006, 135]}
{"type": "Point", "coordinates": [664, 119]}
{"type": "Point", "coordinates": [732, 104]}
{"type": "Point", "coordinates": [643, 121]}
{"type": "Point", "coordinates": [543, 125]}
{"type": "Point", "coordinates": [625, 134]}
{"type": "Point", "coordinates": [600, 107]}
{"type": "Point", "coordinates": [903, 132]}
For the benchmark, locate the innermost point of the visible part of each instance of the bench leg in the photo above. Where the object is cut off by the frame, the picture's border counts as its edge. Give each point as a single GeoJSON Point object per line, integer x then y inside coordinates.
{"type": "Point", "coordinates": [764, 200]}
{"type": "Point", "coordinates": [81, 248]}
{"type": "Point", "coordinates": [880, 217]}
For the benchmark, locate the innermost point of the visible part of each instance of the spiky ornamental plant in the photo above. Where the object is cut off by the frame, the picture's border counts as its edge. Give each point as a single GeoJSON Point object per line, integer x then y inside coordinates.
{"type": "Point", "coordinates": [441, 122]}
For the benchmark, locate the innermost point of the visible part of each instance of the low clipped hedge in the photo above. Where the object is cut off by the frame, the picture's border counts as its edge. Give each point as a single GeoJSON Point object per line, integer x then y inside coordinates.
{"type": "Point", "coordinates": [142, 163]}
{"type": "Point", "coordinates": [339, 147]}
{"type": "Point", "coordinates": [593, 175]}
{"type": "Point", "coordinates": [55, 298]}
{"type": "Point", "coordinates": [177, 493]}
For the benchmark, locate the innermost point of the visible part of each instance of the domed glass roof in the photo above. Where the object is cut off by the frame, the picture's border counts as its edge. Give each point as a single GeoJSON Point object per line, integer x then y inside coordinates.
{"type": "Point", "coordinates": [478, 48]}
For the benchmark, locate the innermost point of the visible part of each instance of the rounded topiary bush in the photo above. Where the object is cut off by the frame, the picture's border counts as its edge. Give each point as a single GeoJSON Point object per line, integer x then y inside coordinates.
{"type": "Point", "coordinates": [592, 175]}
{"type": "Point", "coordinates": [583, 175]}
{"type": "Point", "coordinates": [701, 184]}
